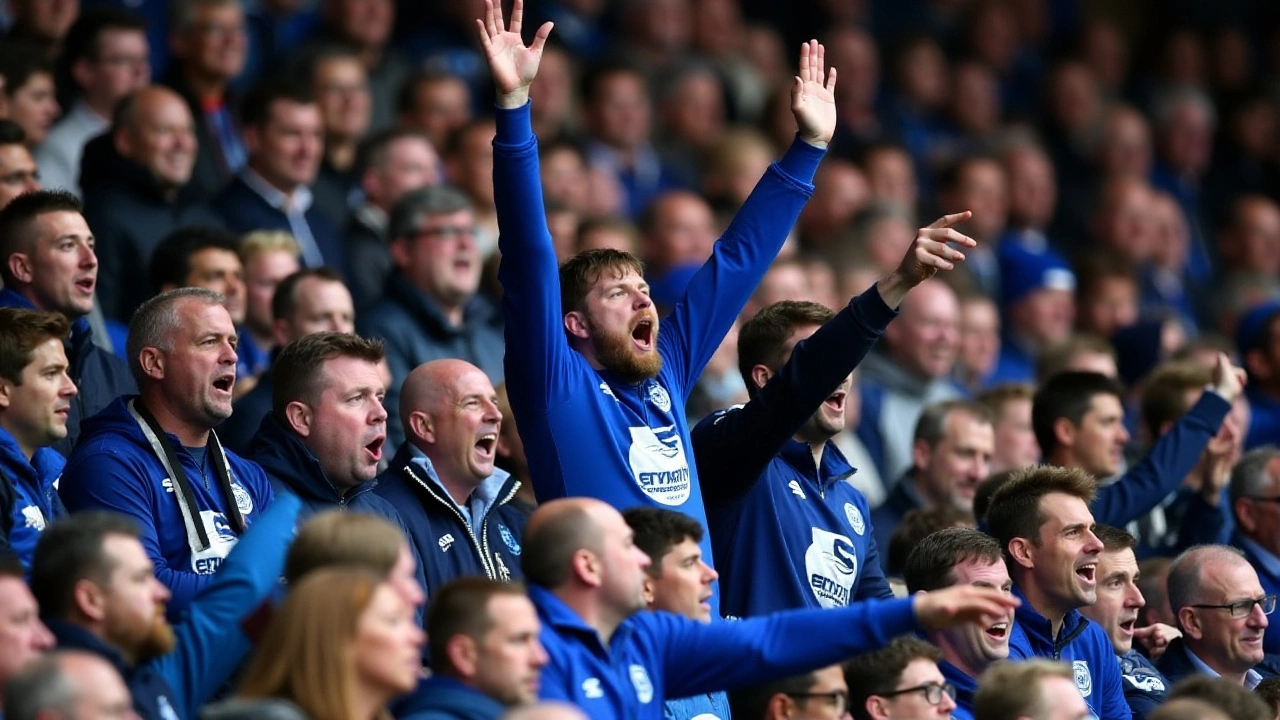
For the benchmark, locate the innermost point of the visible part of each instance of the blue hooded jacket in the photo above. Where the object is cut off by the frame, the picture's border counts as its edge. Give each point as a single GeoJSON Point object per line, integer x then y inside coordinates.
{"type": "Point", "coordinates": [209, 642]}
{"type": "Point", "coordinates": [769, 508]}
{"type": "Point", "coordinates": [443, 698]}
{"type": "Point", "coordinates": [1081, 643]}
{"type": "Point", "coordinates": [99, 376]}
{"type": "Point", "coordinates": [707, 706]}
{"type": "Point", "coordinates": [590, 432]}
{"type": "Point", "coordinates": [448, 546]}
{"type": "Point", "coordinates": [966, 688]}
{"type": "Point", "coordinates": [1145, 689]}
{"type": "Point", "coordinates": [653, 656]}
{"type": "Point", "coordinates": [115, 468]}
{"type": "Point", "coordinates": [36, 502]}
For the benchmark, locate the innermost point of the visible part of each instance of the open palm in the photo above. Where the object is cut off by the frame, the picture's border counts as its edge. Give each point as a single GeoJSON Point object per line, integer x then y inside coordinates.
{"type": "Point", "coordinates": [513, 65]}
{"type": "Point", "coordinates": [813, 100]}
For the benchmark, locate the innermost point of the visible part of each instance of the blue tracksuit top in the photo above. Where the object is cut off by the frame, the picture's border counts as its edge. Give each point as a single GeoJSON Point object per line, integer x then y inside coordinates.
{"type": "Point", "coordinates": [443, 698]}
{"type": "Point", "coordinates": [654, 656]}
{"type": "Point", "coordinates": [36, 502]}
{"type": "Point", "coordinates": [1264, 422]}
{"type": "Point", "coordinates": [114, 468]}
{"type": "Point", "coordinates": [587, 432]}
{"type": "Point", "coordinates": [448, 546]}
{"type": "Point", "coordinates": [1144, 687]}
{"type": "Point", "coordinates": [707, 706]}
{"type": "Point", "coordinates": [1081, 643]}
{"type": "Point", "coordinates": [966, 687]}
{"type": "Point", "coordinates": [209, 642]}
{"type": "Point", "coordinates": [769, 508]}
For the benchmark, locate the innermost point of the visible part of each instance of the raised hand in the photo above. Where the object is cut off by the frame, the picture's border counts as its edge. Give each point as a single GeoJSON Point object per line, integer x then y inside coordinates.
{"type": "Point", "coordinates": [1228, 380]}
{"type": "Point", "coordinates": [513, 64]}
{"type": "Point", "coordinates": [963, 605]}
{"type": "Point", "coordinates": [929, 252]}
{"type": "Point", "coordinates": [813, 101]}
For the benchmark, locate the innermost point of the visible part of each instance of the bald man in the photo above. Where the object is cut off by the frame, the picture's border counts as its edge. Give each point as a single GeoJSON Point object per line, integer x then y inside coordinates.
{"type": "Point", "coordinates": [586, 577]}
{"type": "Point", "coordinates": [133, 179]}
{"type": "Point", "coordinates": [69, 685]}
{"type": "Point", "coordinates": [458, 507]}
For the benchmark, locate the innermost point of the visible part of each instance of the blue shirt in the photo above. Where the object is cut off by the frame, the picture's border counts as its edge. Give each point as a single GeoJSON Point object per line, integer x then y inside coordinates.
{"type": "Point", "coordinates": [1251, 677]}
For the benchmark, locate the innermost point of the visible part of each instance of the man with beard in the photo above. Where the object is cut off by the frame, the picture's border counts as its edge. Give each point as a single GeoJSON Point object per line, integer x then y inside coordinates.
{"type": "Point", "coordinates": [962, 556]}
{"type": "Point", "coordinates": [1116, 611]}
{"type": "Point", "coordinates": [799, 513]}
{"type": "Point", "coordinates": [98, 592]}
{"type": "Point", "coordinates": [154, 456]}
{"type": "Point", "coordinates": [1042, 521]}
{"type": "Point", "coordinates": [598, 393]}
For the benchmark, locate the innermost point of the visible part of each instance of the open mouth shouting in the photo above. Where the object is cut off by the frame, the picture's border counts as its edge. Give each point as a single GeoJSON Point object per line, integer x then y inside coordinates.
{"type": "Point", "coordinates": [835, 403]}
{"type": "Point", "coordinates": [85, 285]}
{"type": "Point", "coordinates": [998, 633]}
{"type": "Point", "coordinates": [374, 448]}
{"type": "Point", "coordinates": [1127, 625]}
{"type": "Point", "coordinates": [642, 334]}
{"type": "Point", "coordinates": [1087, 573]}
{"type": "Point", "coordinates": [223, 384]}
{"type": "Point", "coordinates": [487, 445]}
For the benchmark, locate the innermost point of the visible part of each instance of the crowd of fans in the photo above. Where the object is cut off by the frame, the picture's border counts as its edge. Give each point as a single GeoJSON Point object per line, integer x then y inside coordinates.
{"type": "Point", "coordinates": [364, 359]}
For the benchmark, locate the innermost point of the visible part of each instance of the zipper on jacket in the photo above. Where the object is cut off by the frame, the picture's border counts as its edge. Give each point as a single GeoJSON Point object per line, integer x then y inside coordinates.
{"type": "Point", "coordinates": [482, 551]}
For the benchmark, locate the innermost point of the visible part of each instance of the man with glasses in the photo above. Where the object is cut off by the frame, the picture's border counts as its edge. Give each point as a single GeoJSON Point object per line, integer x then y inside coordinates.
{"type": "Point", "coordinates": [1116, 610]}
{"type": "Point", "coordinates": [819, 695]}
{"type": "Point", "coordinates": [432, 308]}
{"type": "Point", "coordinates": [18, 172]}
{"type": "Point", "coordinates": [1042, 521]}
{"type": "Point", "coordinates": [1255, 502]}
{"type": "Point", "coordinates": [899, 682]}
{"type": "Point", "coordinates": [1222, 611]}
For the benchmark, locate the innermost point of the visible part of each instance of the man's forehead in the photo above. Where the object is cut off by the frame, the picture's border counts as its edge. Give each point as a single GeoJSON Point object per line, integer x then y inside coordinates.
{"type": "Point", "coordinates": [980, 569]}
{"type": "Point", "coordinates": [1112, 561]}
{"type": "Point", "coordinates": [1064, 509]}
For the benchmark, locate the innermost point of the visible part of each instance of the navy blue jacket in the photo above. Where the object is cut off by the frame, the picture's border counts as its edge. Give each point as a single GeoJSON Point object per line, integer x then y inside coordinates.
{"type": "Point", "coordinates": [416, 331]}
{"type": "Point", "coordinates": [115, 468]}
{"type": "Point", "coordinates": [589, 432]}
{"type": "Point", "coordinates": [443, 698]}
{"type": "Point", "coordinates": [1176, 664]}
{"type": "Point", "coordinates": [966, 688]}
{"type": "Point", "coordinates": [209, 642]}
{"type": "Point", "coordinates": [1145, 689]}
{"type": "Point", "coordinates": [901, 500]}
{"type": "Point", "coordinates": [655, 656]}
{"type": "Point", "coordinates": [291, 467]}
{"type": "Point", "coordinates": [1083, 644]}
{"type": "Point", "coordinates": [99, 376]}
{"type": "Point", "coordinates": [36, 501]}
{"type": "Point", "coordinates": [769, 508]}
{"type": "Point", "coordinates": [237, 431]}
{"type": "Point", "coordinates": [448, 546]}
{"type": "Point", "coordinates": [244, 210]}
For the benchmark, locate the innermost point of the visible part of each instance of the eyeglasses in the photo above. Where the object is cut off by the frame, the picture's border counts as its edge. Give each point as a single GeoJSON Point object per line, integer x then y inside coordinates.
{"type": "Point", "coordinates": [932, 692]}
{"type": "Point", "coordinates": [1242, 608]}
{"type": "Point", "coordinates": [838, 698]}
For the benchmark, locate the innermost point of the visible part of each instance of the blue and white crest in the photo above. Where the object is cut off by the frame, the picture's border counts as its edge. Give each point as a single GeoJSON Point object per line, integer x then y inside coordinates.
{"type": "Point", "coordinates": [854, 516]}
{"type": "Point", "coordinates": [1084, 680]}
{"type": "Point", "coordinates": [659, 397]}
{"type": "Point", "coordinates": [509, 539]}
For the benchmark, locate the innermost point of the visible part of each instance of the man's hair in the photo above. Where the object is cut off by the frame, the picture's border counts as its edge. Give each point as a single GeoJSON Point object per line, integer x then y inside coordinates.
{"type": "Point", "coordinates": [929, 566]}
{"type": "Point", "coordinates": [19, 61]}
{"type": "Point", "coordinates": [256, 109]}
{"type": "Point", "coordinates": [1230, 698]}
{"type": "Point", "coordinates": [1015, 510]}
{"type": "Point", "coordinates": [1057, 358]}
{"type": "Point", "coordinates": [1185, 574]}
{"type": "Point", "coordinates": [1269, 692]}
{"type": "Point", "coordinates": [334, 537]}
{"type": "Point", "coordinates": [1249, 478]}
{"type": "Point", "coordinates": [597, 72]}
{"type": "Point", "coordinates": [42, 687]}
{"type": "Point", "coordinates": [409, 212]}
{"type": "Point", "coordinates": [171, 260]}
{"type": "Point", "coordinates": [407, 93]}
{"type": "Point", "coordinates": [11, 134]}
{"type": "Point", "coordinates": [1114, 538]}
{"type": "Point", "coordinates": [658, 530]}
{"type": "Point", "coordinates": [461, 607]}
{"type": "Point", "coordinates": [182, 13]}
{"type": "Point", "coordinates": [18, 232]}
{"type": "Point", "coordinates": [1093, 267]}
{"type": "Point", "coordinates": [996, 398]}
{"type": "Point", "coordinates": [750, 703]}
{"type": "Point", "coordinates": [1009, 690]}
{"type": "Point", "coordinates": [284, 302]}
{"type": "Point", "coordinates": [376, 149]}
{"type": "Point", "coordinates": [763, 339]}
{"type": "Point", "coordinates": [916, 525]}
{"type": "Point", "coordinates": [156, 321]}
{"type": "Point", "coordinates": [21, 332]}
{"type": "Point", "coordinates": [299, 371]}
{"type": "Point", "coordinates": [72, 550]}
{"type": "Point", "coordinates": [879, 671]}
{"type": "Point", "coordinates": [1152, 574]}
{"type": "Point", "coordinates": [255, 243]}
{"type": "Point", "coordinates": [1067, 395]}
{"type": "Point", "coordinates": [84, 39]}
{"type": "Point", "coordinates": [581, 272]}
{"type": "Point", "coordinates": [988, 487]}
{"type": "Point", "coordinates": [931, 427]}
{"type": "Point", "coordinates": [1164, 394]}
{"type": "Point", "coordinates": [456, 142]}
{"type": "Point", "coordinates": [549, 546]}
{"type": "Point", "coordinates": [1188, 708]}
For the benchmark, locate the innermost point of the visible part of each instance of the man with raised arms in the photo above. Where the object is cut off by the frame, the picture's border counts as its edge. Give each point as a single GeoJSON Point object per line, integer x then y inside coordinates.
{"type": "Point", "coordinates": [597, 391]}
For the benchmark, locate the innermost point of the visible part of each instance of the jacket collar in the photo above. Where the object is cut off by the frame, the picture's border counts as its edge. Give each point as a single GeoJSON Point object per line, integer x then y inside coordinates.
{"type": "Point", "coordinates": [283, 456]}
{"type": "Point", "coordinates": [80, 332]}
{"type": "Point", "coordinates": [555, 614]}
{"type": "Point", "coordinates": [494, 491]}
{"type": "Point", "coordinates": [1040, 631]}
{"type": "Point", "coordinates": [44, 466]}
{"type": "Point", "coordinates": [72, 636]}
{"type": "Point", "coordinates": [966, 686]}
{"type": "Point", "coordinates": [834, 465]}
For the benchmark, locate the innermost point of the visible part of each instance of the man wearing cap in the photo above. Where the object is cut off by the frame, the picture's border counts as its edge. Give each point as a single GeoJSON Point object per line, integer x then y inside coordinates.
{"type": "Point", "coordinates": [1258, 339]}
{"type": "Point", "coordinates": [1037, 290]}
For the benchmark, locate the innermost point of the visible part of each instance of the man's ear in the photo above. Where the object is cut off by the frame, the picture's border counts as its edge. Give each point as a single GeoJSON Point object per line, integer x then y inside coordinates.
{"type": "Point", "coordinates": [921, 454]}
{"type": "Point", "coordinates": [877, 707]}
{"type": "Point", "coordinates": [780, 707]}
{"type": "Point", "coordinates": [252, 139]}
{"type": "Point", "coordinates": [647, 588]}
{"type": "Point", "coordinates": [575, 323]}
{"type": "Point", "coordinates": [760, 375]}
{"type": "Point", "coordinates": [1245, 515]}
{"type": "Point", "coordinates": [1190, 623]}
{"type": "Point", "coordinates": [21, 268]}
{"type": "Point", "coordinates": [1022, 552]}
{"type": "Point", "coordinates": [1064, 431]}
{"type": "Point", "coordinates": [89, 600]}
{"type": "Point", "coordinates": [152, 361]}
{"type": "Point", "coordinates": [399, 249]}
{"type": "Point", "coordinates": [587, 568]}
{"type": "Point", "coordinates": [463, 655]}
{"type": "Point", "coordinates": [6, 393]}
{"type": "Point", "coordinates": [421, 426]}
{"type": "Point", "coordinates": [299, 418]}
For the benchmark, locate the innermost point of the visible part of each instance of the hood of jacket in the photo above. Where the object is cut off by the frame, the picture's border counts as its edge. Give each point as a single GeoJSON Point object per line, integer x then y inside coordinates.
{"type": "Point", "coordinates": [287, 461]}
{"type": "Point", "coordinates": [439, 697]}
{"type": "Point", "coordinates": [1039, 630]}
{"type": "Point", "coordinates": [44, 467]}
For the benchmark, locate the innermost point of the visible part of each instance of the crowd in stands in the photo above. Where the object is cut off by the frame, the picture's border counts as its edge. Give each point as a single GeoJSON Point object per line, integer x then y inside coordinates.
{"type": "Point", "coordinates": [562, 359]}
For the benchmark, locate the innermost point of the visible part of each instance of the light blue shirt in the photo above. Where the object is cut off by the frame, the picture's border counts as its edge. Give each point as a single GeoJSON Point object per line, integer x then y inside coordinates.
{"type": "Point", "coordinates": [1251, 677]}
